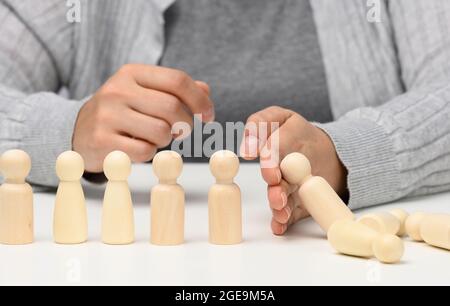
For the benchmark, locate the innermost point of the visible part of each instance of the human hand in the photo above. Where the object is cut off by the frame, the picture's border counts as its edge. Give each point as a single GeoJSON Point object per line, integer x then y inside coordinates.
{"type": "Point", "coordinates": [292, 133]}
{"type": "Point", "coordinates": [135, 110]}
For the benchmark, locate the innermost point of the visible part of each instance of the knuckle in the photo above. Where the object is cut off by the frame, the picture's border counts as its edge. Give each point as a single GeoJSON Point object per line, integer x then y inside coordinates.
{"type": "Point", "coordinates": [110, 91]}
{"type": "Point", "coordinates": [300, 119]}
{"type": "Point", "coordinates": [98, 140]}
{"type": "Point", "coordinates": [145, 153]}
{"type": "Point", "coordinates": [162, 128]}
{"type": "Point", "coordinates": [166, 141]}
{"type": "Point", "coordinates": [180, 79]}
{"type": "Point", "coordinates": [103, 115]}
{"type": "Point", "coordinates": [165, 133]}
{"type": "Point", "coordinates": [173, 105]}
{"type": "Point", "coordinates": [274, 109]}
{"type": "Point", "coordinates": [258, 117]}
{"type": "Point", "coordinates": [126, 69]}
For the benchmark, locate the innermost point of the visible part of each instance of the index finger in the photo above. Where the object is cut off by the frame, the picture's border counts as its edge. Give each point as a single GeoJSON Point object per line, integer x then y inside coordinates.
{"type": "Point", "coordinates": [177, 83]}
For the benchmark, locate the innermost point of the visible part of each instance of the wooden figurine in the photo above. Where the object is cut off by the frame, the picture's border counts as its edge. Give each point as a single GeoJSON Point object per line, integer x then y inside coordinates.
{"type": "Point", "coordinates": [317, 196]}
{"type": "Point", "coordinates": [16, 200]}
{"type": "Point", "coordinates": [435, 230]}
{"type": "Point", "coordinates": [224, 200]}
{"type": "Point", "coordinates": [401, 216]}
{"type": "Point", "coordinates": [384, 223]}
{"type": "Point", "coordinates": [118, 215]}
{"type": "Point", "coordinates": [356, 239]}
{"type": "Point", "coordinates": [167, 201]}
{"type": "Point", "coordinates": [70, 224]}
{"type": "Point", "coordinates": [412, 226]}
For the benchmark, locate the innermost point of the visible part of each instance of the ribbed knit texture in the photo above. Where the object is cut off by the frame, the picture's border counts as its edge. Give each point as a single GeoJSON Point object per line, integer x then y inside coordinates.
{"type": "Point", "coordinates": [40, 52]}
{"type": "Point", "coordinates": [388, 83]}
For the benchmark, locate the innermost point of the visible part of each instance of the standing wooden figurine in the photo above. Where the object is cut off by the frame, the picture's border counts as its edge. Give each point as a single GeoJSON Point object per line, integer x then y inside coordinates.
{"type": "Point", "coordinates": [118, 215]}
{"type": "Point", "coordinates": [16, 200]}
{"type": "Point", "coordinates": [70, 225]}
{"type": "Point", "coordinates": [225, 211]}
{"type": "Point", "coordinates": [167, 201]}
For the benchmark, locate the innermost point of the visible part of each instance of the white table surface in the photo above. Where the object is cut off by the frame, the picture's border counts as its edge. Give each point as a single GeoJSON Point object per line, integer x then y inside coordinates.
{"type": "Point", "coordinates": [303, 257]}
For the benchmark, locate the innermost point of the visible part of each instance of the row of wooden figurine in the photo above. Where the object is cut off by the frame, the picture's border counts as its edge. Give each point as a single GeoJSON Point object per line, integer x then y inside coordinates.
{"type": "Point", "coordinates": [167, 200]}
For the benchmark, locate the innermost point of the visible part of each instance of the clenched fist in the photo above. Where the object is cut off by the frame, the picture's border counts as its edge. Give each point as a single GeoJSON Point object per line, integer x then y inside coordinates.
{"type": "Point", "coordinates": [134, 112]}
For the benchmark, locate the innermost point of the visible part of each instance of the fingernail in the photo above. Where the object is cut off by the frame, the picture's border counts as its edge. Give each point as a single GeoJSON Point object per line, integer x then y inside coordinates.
{"type": "Point", "coordinates": [279, 177]}
{"type": "Point", "coordinates": [242, 149]}
{"type": "Point", "coordinates": [284, 228]}
{"type": "Point", "coordinates": [210, 115]}
{"type": "Point", "coordinates": [289, 212]}
{"type": "Point", "coordinates": [284, 199]}
{"type": "Point", "coordinates": [252, 142]}
{"type": "Point", "coordinates": [249, 147]}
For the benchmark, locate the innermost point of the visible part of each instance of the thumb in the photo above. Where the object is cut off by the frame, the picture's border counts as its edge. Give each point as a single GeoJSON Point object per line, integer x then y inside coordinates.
{"type": "Point", "coordinates": [260, 127]}
{"type": "Point", "coordinates": [280, 143]}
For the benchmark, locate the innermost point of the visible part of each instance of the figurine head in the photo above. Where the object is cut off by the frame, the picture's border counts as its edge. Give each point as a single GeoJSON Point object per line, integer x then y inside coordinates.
{"type": "Point", "coordinates": [167, 166]}
{"type": "Point", "coordinates": [224, 166]}
{"type": "Point", "coordinates": [295, 168]}
{"type": "Point", "coordinates": [69, 166]}
{"type": "Point", "coordinates": [117, 166]}
{"type": "Point", "coordinates": [15, 165]}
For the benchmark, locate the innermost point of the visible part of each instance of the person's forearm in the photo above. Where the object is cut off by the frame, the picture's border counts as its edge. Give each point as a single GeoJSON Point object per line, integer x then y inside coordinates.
{"type": "Point", "coordinates": [40, 124]}
{"type": "Point", "coordinates": [396, 72]}
{"type": "Point", "coordinates": [398, 149]}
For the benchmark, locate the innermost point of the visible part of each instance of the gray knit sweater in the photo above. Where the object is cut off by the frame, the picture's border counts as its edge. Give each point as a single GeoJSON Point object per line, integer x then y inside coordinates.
{"type": "Point", "coordinates": [388, 83]}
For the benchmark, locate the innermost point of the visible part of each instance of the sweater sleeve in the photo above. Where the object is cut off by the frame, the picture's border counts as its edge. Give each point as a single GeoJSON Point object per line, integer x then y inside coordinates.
{"type": "Point", "coordinates": [32, 117]}
{"type": "Point", "coordinates": [402, 148]}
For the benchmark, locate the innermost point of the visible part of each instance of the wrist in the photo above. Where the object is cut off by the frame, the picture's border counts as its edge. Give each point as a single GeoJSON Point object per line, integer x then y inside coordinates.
{"type": "Point", "coordinates": [334, 170]}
